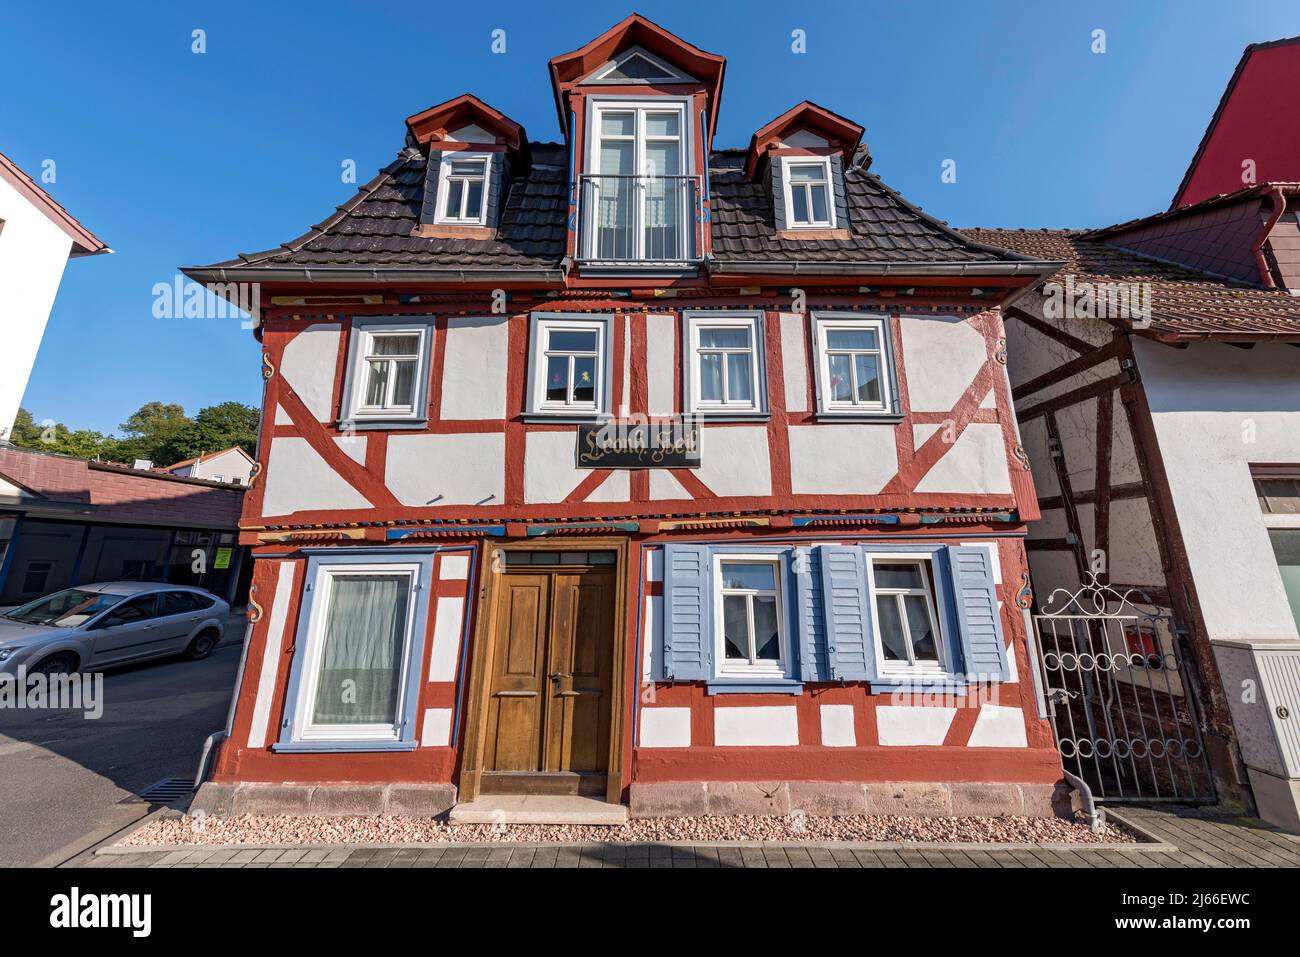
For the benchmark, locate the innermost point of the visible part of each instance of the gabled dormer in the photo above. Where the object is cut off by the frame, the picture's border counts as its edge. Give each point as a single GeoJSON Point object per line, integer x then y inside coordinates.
{"type": "Point", "coordinates": [473, 151]}
{"type": "Point", "coordinates": [802, 156]}
{"type": "Point", "coordinates": [638, 107]}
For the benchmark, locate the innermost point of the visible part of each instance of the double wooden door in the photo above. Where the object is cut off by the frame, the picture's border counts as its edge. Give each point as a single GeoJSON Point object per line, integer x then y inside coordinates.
{"type": "Point", "coordinates": [549, 704]}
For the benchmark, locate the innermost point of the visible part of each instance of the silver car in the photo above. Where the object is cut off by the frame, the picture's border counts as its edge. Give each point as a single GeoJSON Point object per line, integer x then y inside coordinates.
{"type": "Point", "coordinates": [110, 623]}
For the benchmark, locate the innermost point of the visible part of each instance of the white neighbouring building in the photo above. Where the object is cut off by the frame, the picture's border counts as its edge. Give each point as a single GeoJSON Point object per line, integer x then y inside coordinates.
{"type": "Point", "coordinates": [232, 465]}
{"type": "Point", "coordinates": [37, 238]}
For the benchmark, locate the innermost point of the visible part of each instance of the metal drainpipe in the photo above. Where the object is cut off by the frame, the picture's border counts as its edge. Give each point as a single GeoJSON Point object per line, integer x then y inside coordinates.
{"type": "Point", "coordinates": [1096, 817]}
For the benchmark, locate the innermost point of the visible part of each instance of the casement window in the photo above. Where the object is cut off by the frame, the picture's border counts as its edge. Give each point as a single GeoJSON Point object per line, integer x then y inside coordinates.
{"type": "Point", "coordinates": [638, 198]}
{"type": "Point", "coordinates": [808, 193]}
{"type": "Point", "coordinates": [388, 373]}
{"type": "Point", "coordinates": [355, 675]}
{"type": "Point", "coordinates": [855, 367]}
{"type": "Point", "coordinates": [463, 188]}
{"type": "Point", "coordinates": [570, 366]}
{"type": "Point", "coordinates": [1279, 501]}
{"type": "Point", "coordinates": [767, 619]}
{"type": "Point", "coordinates": [750, 624]}
{"type": "Point", "coordinates": [907, 623]}
{"type": "Point", "coordinates": [726, 374]}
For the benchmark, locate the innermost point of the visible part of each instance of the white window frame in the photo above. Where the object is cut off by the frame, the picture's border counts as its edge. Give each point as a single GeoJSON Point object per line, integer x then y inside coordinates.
{"type": "Point", "coordinates": [713, 320]}
{"type": "Point", "coordinates": [928, 571]}
{"type": "Point", "coordinates": [829, 323]}
{"type": "Point", "coordinates": [1276, 519]}
{"type": "Point", "coordinates": [639, 107]}
{"type": "Point", "coordinates": [827, 173]}
{"type": "Point", "coordinates": [362, 346]}
{"type": "Point", "coordinates": [542, 350]}
{"type": "Point", "coordinates": [304, 729]}
{"type": "Point", "coordinates": [753, 668]}
{"type": "Point", "coordinates": [444, 185]}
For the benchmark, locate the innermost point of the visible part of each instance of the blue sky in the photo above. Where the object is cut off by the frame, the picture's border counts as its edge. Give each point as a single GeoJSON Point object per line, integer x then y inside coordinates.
{"type": "Point", "coordinates": [177, 158]}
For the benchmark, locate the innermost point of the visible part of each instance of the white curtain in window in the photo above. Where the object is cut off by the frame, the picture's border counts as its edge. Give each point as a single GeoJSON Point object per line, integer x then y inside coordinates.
{"type": "Point", "coordinates": [361, 662]}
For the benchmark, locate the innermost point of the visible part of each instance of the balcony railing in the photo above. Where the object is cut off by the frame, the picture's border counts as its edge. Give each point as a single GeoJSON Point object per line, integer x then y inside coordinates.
{"type": "Point", "coordinates": [638, 219]}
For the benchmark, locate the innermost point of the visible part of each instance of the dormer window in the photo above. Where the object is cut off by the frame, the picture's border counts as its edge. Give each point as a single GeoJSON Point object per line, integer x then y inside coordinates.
{"type": "Point", "coordinates": [807, 193]}
{"type": "Point", "coordinates": [464, 185]}
{"type": "Point", "coordinates": [638, 200]}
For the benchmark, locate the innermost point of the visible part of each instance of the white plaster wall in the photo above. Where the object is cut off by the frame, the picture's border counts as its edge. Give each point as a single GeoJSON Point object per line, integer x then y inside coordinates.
{"type": "Point", "coordinates": [308, 367]}
{"type": "Point", "coordinates": [550, 473]}
{"type": "Point", "coordinates": [907, 726]}
{"type": "Point", "coordinates": [229, 465]}
{"type": "Point", "coordinates": [476, 352]}
{"type": "Point", "coordinates": [1077, 428]}
{"type": "Point", "coordinates": [616, 488]}
{"type": "Point", "coordinates": [33, 252]}
{"type": "Point", "coordinates": [794, 361]}
{"type": "Point", "coordinates": [660, 356]}
{"type": "Point", "coordinates": [299, 480]}
{"type": "Point", "coordinates": [976, 463]}
{"type": "Point", "coordinates": [1134, 555]}
{"type": "Point", "coordinates": [941, 355]}
{"type": "Point", "coordinates": [1030, 353]}
{"type": "Point", "coordinates": [837, 726]}
{"type": "Point", "coordinates": [1052, 524]}
{"type": "Point", "coordinates": [841, 459]}
{"type": "Point", "coordinates": [998, 727]}
{"type": "Point", "coordinates": [1033, 438]}
{"type": "Point", "coordinates": [666, 728]}
{"type": "Point", "coordinates": [463, 469]}
{"type": "Point", "coordinates": [663, 485]}
{"type": "Point", "coordinates": [265, 692]}
{"type": "Point", "coordinates": [734, 460]}
{"type": "Point", "coordinates": [775, 726]}
{"type": "Point", "coordinates": [1217, 410]}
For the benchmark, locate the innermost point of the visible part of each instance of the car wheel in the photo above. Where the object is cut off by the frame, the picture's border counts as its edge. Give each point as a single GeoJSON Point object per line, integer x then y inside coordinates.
{"type": "Point", "coordinates": [61, 663]}
{"type": "Point", "coordinates": [204, 643]}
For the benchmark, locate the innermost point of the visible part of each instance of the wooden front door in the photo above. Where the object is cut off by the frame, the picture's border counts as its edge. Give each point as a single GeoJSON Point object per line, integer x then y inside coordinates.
{"type": "Point", "coordinates": [549, 696]}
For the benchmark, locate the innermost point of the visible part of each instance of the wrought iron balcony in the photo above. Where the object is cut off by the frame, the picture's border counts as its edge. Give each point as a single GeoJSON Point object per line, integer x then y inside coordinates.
{"type": "Point", "coordinates": [638, 220]}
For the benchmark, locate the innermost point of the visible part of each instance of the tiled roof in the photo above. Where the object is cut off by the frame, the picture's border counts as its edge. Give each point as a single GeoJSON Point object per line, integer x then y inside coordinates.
{"type": "Point", "coordinates": [883, 226]}
{"type": "Point", "coordinates": [1185, 304]}
{"type": "Point", "coordinates": [84, 242]}
{"type": "Point", "coordinates": [373, 229]}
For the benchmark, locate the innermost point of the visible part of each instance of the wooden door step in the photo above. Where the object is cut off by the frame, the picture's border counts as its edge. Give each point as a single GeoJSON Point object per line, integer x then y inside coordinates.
{"type": "Point", "coordinates": [590, 784]}
{"type": "Point", "coordinates": [538, 809]}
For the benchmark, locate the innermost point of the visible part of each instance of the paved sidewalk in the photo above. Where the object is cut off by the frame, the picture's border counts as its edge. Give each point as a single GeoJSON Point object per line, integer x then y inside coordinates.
{"type": "Point", "coordinates": [1199, 839]}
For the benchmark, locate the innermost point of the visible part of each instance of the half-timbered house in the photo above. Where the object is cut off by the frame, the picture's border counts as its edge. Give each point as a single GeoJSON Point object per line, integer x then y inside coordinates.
{"type": "Point", "coordinates": [680, 477]}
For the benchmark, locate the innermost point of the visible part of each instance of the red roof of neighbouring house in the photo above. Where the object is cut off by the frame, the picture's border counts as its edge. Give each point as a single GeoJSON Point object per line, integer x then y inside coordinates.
{"type": "Point", "coordinates": [205, 456]}
{"type": "Point", "coordinates": [1256, 119]}
{"type": "Point", "coordinates": [84, 242]}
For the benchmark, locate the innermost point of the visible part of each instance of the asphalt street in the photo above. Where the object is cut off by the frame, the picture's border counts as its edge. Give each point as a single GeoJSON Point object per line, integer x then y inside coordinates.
{"type": "Point", "coordinates": [63, 775]}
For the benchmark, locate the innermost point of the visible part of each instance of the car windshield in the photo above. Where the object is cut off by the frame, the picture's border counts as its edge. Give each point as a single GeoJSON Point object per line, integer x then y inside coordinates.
{"type": "Point", "coordinates": [64, 609]}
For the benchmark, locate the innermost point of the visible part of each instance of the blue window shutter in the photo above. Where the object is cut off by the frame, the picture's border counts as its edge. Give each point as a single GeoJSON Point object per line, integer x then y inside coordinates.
{"type": "Point", "coordinates": [809, 612]}
{"type": "Point", "coordinates": [850, 645]}
{"type": "Point", "coordinates": [979, 623]}
{"type": "Point", "coordinates": [688, 623]}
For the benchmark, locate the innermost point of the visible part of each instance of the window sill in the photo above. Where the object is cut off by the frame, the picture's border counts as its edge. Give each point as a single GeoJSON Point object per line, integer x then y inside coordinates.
{"type": "Point", "coordinates": [919, 684]}
{"type": "Point", "coordinates": [813, 232]}
{"type": "Point", "coordinates": [786, 686]}
{"type": "Point", "coordinates": [879, 418]}
{"type": "Point", "coordinates": [565, 418]}
{"type": "Point", "coordinates": [318, 747]}
{"type": "Point", "coordinates": [638, 268]}
{"type": "Point", "coordinates": [377, 424]}
{"type": "Point", "coordinates": [721, 415]}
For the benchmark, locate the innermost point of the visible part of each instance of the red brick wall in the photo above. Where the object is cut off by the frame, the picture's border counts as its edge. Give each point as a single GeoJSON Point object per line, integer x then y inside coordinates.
{"type": "Point", "coordinates": [119, 494]}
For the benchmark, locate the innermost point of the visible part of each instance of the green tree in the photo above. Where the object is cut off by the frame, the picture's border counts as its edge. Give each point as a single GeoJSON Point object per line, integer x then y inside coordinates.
{"type": "Point", "coordinates": [149, 433]}
{"type": "Point", "coordinates": [50, 436]}
{"type": "Point", "coordinates": [214, 428]}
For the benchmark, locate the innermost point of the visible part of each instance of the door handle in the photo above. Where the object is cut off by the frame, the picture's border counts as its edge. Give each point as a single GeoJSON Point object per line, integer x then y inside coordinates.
{"type": "Point", "coordinates": [560, 675]}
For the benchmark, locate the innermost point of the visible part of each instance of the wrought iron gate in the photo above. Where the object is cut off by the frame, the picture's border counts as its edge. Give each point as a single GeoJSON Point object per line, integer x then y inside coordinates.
{"type": "Point", "coordinates": [1121, 697]}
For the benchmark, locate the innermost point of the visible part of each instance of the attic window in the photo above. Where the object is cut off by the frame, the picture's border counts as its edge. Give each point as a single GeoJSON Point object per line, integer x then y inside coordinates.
{"type": "Point", "coordinates": [637, 66]}
{"type": "Point", "coordinates": [807, 185]}
{"type": "Point", "coordinates": [463, 189]}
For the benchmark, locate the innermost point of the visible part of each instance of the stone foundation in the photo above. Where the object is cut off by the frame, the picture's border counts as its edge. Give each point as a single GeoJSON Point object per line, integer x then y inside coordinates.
{"type": "Point", "coordinates": [839, 799]}
{"type": "Point", "coordinates": [324, 800]}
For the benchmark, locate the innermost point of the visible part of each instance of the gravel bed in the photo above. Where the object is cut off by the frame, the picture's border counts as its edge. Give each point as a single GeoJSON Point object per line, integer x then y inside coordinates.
{"type": "Point", "coordinates": [297, 830]}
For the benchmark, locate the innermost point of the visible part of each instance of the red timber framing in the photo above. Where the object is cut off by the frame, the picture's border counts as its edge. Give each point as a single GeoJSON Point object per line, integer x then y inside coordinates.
{"type": "Point", "coordinates": [1121, 409]}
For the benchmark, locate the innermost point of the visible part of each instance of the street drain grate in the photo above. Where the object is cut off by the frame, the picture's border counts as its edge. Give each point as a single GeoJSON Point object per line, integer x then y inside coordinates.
{"type": "Point", "coordinates": [166, 791]}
